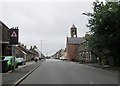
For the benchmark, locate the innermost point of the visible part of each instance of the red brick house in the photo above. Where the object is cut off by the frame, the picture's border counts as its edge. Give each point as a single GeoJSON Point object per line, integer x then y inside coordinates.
{"type": "Point", "coordinates": [72, 45]}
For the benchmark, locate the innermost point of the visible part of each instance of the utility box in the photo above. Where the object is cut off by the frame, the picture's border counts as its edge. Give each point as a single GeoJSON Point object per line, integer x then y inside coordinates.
{"type": "Point", "coordinates": [3, 66]}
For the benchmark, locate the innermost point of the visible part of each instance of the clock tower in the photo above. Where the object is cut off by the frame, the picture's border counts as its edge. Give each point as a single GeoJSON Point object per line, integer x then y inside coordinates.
{"type": "Point", "coordinates": [73, 31]}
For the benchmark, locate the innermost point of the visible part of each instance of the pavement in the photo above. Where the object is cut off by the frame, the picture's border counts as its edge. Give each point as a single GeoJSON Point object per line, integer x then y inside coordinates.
{"type": "Point", "coordinates": [11, 78]}
{"type": "Point", "coordinates": [106, 67]}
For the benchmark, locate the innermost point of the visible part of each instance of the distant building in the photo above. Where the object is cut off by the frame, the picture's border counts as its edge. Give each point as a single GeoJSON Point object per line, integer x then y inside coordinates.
{"type": "Point", "coordinates": [59, 54]}
{"type": "Point", "coordinates": [72, 45]}
{"type": "Point", "coordinates": [22, 51]}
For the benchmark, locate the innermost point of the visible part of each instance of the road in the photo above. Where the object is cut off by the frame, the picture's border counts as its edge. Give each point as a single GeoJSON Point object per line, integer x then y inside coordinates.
{"type": "Point", "coordinates": [63, 72]}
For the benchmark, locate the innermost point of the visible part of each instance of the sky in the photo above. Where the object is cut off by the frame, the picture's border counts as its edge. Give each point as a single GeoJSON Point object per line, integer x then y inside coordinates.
{"type": "Point", "coordinates": [49, 21]}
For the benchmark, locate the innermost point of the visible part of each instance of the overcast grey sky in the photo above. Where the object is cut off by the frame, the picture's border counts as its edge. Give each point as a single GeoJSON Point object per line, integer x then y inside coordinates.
{"type": "Point", "coordinates": [47, 21]}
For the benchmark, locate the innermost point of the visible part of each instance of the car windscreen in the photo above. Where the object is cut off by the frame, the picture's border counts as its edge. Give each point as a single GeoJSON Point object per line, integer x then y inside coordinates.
{"type": "Point", "coordinates": [20, 59]}
{"type": "Point", "coordinates": [7, 58]}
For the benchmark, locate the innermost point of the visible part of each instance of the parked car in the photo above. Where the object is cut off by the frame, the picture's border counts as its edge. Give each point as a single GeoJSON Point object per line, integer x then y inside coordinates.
{"type": "Point", "coordinates": [57, 58]}
{"type": "Point", "coordinates": [63, 58]}
{"type": "Point", "coordinates": [36, 59]}
{"type": "Point", "coordinates": [10, 63]}
{"type": "Point", "coordinates": [21, 61]}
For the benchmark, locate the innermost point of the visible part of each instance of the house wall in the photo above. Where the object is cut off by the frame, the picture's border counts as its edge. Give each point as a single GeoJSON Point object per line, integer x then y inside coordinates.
{"type": "Point", "coordinates": [72, 52]}
{"type": "Point", "coordinates": [0, 49]}
{"type": "Point", "coordinates": [65, 54]}
{"type": "Point", "coordinates": [81, 52]}
{"type": "Point", "coordinates": [19, 53]}
{"type": "Point", "coordinates": [5, 33]}
{"type": "Point", "coordinates": [6, 50]}
{"type": "Point", "coordinates": [84, 52]}
{"type": "Point", "coordinates": [0, 39]}
{"type": "Point", "coordinates": [30, 56]}
{"type": "Point", "coordinates": [4, 40]}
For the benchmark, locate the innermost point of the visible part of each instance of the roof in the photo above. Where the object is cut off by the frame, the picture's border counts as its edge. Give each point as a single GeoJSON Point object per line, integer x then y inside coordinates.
{"type": "Point", "coordinates": [26, 50]}
{"type": "Point", "coordinates": [2, 24]}
{"type": "Point", "coordinates": [21, 50]}
{"type": "Point", "coordinates": [73, 27]}
{"type": "Point", "coordinates": [78, 40]}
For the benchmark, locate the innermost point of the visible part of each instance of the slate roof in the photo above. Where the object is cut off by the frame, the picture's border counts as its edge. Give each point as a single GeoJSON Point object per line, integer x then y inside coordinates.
{"type": "Point", "coordinates": [78, 40]}
{"type": "Point", "coordinates": [25, 49]}
{"type": "Point", "coordinates": [73, 26]}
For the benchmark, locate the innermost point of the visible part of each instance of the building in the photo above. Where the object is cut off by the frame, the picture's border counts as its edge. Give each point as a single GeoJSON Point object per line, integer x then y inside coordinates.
{"type": "Point", "coordinates": [35, 51]}
{"type": "Point", "coordinates": [72, 44]}
{"type": "Point", "coordinates": [5, 48]}
{"type": "Point", "coordinates": [85, 52]}
{"type": "Point", "coordinates": [0, 38]}
{"type": "Point", "coordinates": [65, 53]}
{"type": "Point", "coordinates": [59, 54]}
{"type": "Point", "coordinates": [22, 51]}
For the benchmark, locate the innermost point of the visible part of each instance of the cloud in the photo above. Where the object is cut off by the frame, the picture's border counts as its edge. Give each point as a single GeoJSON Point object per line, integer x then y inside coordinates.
{"type": "Point", "coordinates": [49, 21]}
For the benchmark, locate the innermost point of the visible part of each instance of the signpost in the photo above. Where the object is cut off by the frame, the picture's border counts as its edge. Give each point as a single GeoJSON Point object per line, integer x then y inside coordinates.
{"type": "Point", "coordinates": [14, 36]}
{"type": "Point", "coordinates": [13, 41]}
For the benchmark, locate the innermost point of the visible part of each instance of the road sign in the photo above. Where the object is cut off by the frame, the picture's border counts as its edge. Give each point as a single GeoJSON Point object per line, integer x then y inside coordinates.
{"type": "Point", "coordinates": [14, 36]}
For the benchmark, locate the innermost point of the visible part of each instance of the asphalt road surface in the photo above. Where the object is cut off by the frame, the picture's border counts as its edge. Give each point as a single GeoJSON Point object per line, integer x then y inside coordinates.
{"type": "Point", "coordinates": [62, 72]}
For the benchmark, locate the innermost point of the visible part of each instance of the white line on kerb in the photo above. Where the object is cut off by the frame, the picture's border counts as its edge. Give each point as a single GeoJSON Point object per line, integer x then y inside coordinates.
{"type": "Point", "coordinates": [21, 79]}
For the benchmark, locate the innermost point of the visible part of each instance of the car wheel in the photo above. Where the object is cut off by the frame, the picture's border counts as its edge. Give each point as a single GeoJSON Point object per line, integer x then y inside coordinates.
{"type": "Point", "coordinates": [9, 68]}
{"type": "Point", "coordinates": [16, 66]}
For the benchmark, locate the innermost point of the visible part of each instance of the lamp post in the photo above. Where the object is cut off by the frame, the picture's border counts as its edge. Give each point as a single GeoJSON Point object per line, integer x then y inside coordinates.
{"type": "Point", "coordinates": [41, 47]}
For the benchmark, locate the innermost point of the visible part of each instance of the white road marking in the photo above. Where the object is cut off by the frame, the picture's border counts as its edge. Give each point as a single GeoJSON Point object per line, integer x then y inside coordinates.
{"type": "Point", "coordinates": [73, 72]}
{"type": "Point", "coordinates": [21, 79]}
{"type": "Point", "coordinates": [91, 83]}
{"type": "Point", "coordinates": [53, 60]}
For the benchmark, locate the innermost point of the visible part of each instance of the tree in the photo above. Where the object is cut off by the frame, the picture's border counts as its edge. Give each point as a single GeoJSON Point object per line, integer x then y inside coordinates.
{"type": "Point", "coordinates": [104, 24]}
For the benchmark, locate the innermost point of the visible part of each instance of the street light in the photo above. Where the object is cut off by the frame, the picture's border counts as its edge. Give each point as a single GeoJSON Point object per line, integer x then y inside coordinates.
{"type": "Point", "coordinates": [41, 47]}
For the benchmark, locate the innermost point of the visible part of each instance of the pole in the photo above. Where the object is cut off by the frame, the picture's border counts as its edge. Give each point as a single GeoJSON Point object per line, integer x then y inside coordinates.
{"type": "Point", "coordinates": [41, 48]}
{"type": "Point", "coordinates": [13, 60]}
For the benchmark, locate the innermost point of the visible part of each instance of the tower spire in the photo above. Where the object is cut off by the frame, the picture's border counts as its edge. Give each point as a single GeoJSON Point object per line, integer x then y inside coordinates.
{"type": "Point", "coordinates": [73, 31]}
